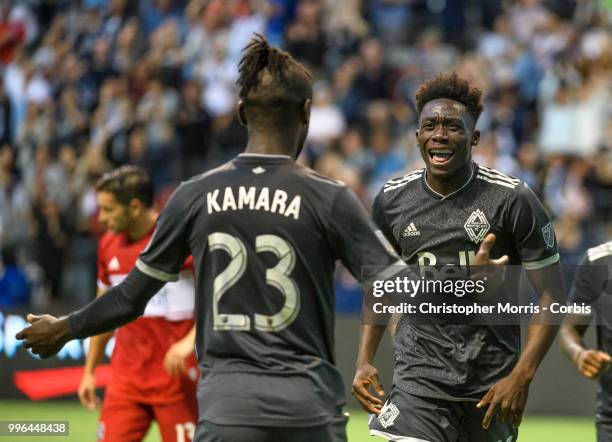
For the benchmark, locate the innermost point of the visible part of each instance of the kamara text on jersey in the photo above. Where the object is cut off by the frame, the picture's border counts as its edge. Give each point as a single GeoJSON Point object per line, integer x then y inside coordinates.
{"type": "Point", "coordinates": [275, 201]}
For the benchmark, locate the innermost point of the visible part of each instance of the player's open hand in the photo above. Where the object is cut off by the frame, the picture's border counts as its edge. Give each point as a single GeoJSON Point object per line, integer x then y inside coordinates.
{"type": "Point", "coordinates": [366, 377]}
{"type": "Point", "coordinates": [491, 270]}
{"type": "Point", "coordinates": [483, 257]}
{"type": "Point", "coordinates": [507, 399]}
{"type": "Point", "coordinates": [46, 335]}
{"type": "Point", "coordinates": [87, 392]}
{"type": "Point", "coordinates": [592, 363]}
{"type": "Point", "coordinates": [175, 358]}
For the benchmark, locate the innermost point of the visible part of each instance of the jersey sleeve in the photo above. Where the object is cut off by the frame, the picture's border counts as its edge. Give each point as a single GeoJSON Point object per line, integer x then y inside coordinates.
{"type": "Point", "coordinates": [531, 229]}
{"type": "Point", "coordinates": [380, 219]}
{"type": "Point", "coordinates": [591, 281]}
{"type": "Point", "coordinates": [363, 251]}
{"type": "Point", "coordinates": [168, 249]}
{"type": "Point", "coordinates": [104, 282]}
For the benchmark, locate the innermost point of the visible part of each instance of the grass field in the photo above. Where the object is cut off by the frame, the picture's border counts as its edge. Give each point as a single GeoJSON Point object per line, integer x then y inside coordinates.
{"type": "Point", "coordinates": [83, 424]}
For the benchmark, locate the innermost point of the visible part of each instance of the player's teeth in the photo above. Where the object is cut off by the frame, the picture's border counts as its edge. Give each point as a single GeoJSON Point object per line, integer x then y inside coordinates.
{"type": "Point", "coordinates": [441, 155]}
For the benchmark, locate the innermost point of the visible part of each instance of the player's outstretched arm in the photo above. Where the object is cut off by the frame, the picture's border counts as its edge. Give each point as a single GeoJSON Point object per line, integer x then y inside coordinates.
{"type": "Point", "coordinates": [366, 375]}
{"type": "Point", "coordinates": [507, 398]}
{"type": "Point", "coordinates": [123, 303]}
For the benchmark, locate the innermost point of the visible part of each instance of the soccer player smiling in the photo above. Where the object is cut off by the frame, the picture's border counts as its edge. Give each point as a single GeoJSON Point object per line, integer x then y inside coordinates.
{"type": "Point", "coordinates": [455, 382]}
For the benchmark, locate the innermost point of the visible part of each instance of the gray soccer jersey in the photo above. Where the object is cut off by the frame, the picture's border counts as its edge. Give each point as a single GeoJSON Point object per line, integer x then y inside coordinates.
{"type": "Point", "coordinates": [593, 286]}
{"type": "Point", "coordinates": [426, 228]}
{"type": "Point", "coordinates": [265, 233]}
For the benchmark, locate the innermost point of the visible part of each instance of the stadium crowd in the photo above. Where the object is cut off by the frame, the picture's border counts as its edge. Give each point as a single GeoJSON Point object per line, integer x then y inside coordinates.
{"type": "Point", "coordinates": [86, 86]}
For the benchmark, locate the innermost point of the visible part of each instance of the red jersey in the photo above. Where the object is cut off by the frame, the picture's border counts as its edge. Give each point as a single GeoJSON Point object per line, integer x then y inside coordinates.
{"type": "Point", "coordinates": [140, 346]}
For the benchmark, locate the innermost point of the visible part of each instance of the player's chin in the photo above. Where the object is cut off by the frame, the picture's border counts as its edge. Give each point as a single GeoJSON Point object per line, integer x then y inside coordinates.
{"type": "Point", "coordinates": [443, 170]}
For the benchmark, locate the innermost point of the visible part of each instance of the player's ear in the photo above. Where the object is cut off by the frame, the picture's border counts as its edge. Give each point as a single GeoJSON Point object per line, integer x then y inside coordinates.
{"type": "Point", "coordinates": [241, 113]}
{"type": "Point", "coordinates": [135, 207]}
{"type": "Point", "coordinates": [476, 138]}
{"type": "Point", "coordinates": [305, 111]}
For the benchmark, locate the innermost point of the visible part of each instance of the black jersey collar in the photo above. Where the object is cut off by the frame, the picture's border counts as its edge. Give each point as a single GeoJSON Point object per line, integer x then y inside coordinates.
{"type": "Point", "coordinates": [265, 158]}
{"type": "Point", "coordinates": [439, 196]}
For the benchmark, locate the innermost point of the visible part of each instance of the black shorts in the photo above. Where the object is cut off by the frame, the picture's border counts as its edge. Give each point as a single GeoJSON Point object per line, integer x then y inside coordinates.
{"type": "Point", "coordinates": [604, 431]}
{"type": "Point", "coordinates": [335, 431]}
{"type": "Point", "coordinates": [603, 423]}
{"type": "Point", "coordinates": [409, 418]}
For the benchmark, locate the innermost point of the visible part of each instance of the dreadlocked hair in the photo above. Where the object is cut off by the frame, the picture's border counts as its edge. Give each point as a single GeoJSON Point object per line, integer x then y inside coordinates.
{"type": "Point", "coordinates": [271, 78]}
{"type": "Point", "coordinates": [453, 87]}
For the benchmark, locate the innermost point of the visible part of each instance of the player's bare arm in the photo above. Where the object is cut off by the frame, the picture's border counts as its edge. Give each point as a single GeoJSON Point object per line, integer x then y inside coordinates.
{"type": "Point", "coordinates": [174, 359]}
{"type": "Point", "coordinates": [366, 374]}
{"type": "Point", "coordinates": [95, 354]}
{"type": "Point", "coordinates": [589, 284]}
{"type": "Point", "coordinates": [507, 398]}
{"type": "Point", "coordinates": [591, 362]}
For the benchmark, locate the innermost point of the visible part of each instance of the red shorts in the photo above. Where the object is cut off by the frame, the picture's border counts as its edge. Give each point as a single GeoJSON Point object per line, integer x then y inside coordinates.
{"type": "Point", "coordinates": [125, 420]}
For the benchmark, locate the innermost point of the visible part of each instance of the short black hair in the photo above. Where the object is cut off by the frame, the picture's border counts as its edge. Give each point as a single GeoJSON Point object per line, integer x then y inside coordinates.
{"type": "Point", "coordinates": [272, 83]}
{"type": "Point", "coordinates": [453, 87]}
{"type": "Point", "coordinates": [127, 183]}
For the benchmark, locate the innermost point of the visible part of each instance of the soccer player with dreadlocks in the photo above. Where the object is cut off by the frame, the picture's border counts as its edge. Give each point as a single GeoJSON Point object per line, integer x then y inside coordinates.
{"type": "Point", "coordinates": [264, 233]}
{"type": "Point", "coordinates": [454, 382]}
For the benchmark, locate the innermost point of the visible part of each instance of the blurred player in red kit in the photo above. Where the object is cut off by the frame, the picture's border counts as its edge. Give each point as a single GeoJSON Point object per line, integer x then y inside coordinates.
{"type": "Point", "coordinates": [154, 371]}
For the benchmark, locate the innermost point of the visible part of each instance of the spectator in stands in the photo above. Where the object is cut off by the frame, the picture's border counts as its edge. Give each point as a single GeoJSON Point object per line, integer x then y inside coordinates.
{"type": "Point", "coordinates": [103, 83]}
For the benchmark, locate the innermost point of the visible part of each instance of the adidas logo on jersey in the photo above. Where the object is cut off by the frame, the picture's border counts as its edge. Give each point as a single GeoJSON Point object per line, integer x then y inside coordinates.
{"type": "Point", "coordinates": [113, 264]}
{"type": "Point", "coordinates": [411, 230]}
